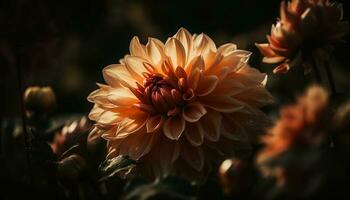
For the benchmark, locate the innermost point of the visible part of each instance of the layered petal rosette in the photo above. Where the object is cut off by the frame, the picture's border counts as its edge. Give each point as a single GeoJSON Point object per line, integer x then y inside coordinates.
{"type": "Point", "coordinates": [180, 107]}
{"type": "Point", "coordinates": [306, 29]}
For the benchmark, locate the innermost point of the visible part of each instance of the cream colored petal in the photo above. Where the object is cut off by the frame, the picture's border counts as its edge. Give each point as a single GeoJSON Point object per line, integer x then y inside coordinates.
{"type": "Point", "coordinates": [193, 134]}
{"type": "Point", "coordinates": [117, 74]}
{"type": "Point", "coordinates": [226, 49]}
{"type": "Point", "coordinates": [193, 79]}
{"type": "Point", "coordinates": [282, 68]}
{"type": "Point", "coordinates": [211, 60]}
{"type": "Point", "coordinates": [95, 112]}
{"type": "Point", "coordinates": [110, 134]}
{"type": "Point", "coordinates": [203, 44]}
{"type": "Point", "coordinates": [154, 123]}
{"type": "Point", "coordinates": [234, 60]}
{"type": "Point", "coordinates": [265, 50]}
{"type": "Point", "coordinates": [136, 48]}
{"type": "Point", "coordinates": [135, 66]}
{"type": "Point", "coordinates": [192, 112]}
{"type": "Point", "coordinates": [229, 87]}
{"type": "Point", "coordinates": [176, 52]}
{"type": "Point", "coordinates": [255, 96]}
{"type": "Point", "coordinates": [273, 60]}
{"type": "Point", "coordinates": [121, 97]}
{"type": "Point", "coordinates": [194, 156]}
{"type": "Point", "coordinates": [222, 103]}
{"type": "Point", "coordinates": [195, 63]}
{"type": "Point", "coordinates": [211, 125]}
{"type": "Point", "coordinates": [206, 85]}
{"type": "Point", "coordinates": [173, 127]}
{"type": "Point", "coordinates": [99, 97]}
{"type": "Point", "coordinates": [136, 145]}
{"type": "Point", "coordinates": [155, 51]}
{"type": "Point", "coordinates": [186, 40]}
{"type": "Point", "coordinates": [107, 118]}
{"type": "Point", "coordinates": [249, 76]}
{"type": "Point", "coordinates": [131, 124]}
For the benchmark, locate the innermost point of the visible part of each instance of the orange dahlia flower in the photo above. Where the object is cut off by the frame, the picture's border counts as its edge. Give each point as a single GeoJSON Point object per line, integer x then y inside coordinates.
{"type": "Point", "coordinates": [300, 125]}
{"type": "Point", "coordinates": [178, 107]}
{"type": "Point", "coordinates": [303, 27]}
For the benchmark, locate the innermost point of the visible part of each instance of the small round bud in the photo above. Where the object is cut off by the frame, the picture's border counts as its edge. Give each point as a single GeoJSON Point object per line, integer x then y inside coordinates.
{"type": "Point", "coordinates": [235, 176]}
{"type": "Point", "coordinates": [39, 100]}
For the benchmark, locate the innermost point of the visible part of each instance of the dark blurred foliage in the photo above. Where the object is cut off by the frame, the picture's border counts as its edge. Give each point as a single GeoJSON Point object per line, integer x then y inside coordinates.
{"type": "Point", "coordinates": [65, 44]}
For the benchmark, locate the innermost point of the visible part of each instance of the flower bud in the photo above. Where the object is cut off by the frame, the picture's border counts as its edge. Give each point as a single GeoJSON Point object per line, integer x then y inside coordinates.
{"type": "Point", "coordinates": [39, 99]}
{"type": "Point", "coordinates": [235, 176]}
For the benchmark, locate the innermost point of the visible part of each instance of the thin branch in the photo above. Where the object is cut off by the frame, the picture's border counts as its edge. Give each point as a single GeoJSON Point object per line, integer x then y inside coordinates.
{"type": "Point", "coordinates": [23, 116]}
{"type": "Point", "coordinates": [330, 77]}
{"type": "Point", "coordinates": [316, 70]}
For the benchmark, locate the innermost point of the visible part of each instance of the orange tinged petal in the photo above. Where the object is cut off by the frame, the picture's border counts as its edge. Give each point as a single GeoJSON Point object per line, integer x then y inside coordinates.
{"type": "Point", "coordinates": [193, 112]}
{"type": "Point", "coordinates": [211, 125]}
{"type": "Point", "coordinates": [206, 85]}
{"type": "Point", "coordinates": [154, 123]}
{"type": "Point", "coordinates": [194, 135]}
{"type": "Point", "coordinates": [174, 127]}
{"type": "Point", "coordinates": [176, 52]}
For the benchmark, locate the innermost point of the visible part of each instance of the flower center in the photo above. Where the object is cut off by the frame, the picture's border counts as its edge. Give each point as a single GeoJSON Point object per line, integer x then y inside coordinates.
{"type": "Point", "coordinates": [161, 95]}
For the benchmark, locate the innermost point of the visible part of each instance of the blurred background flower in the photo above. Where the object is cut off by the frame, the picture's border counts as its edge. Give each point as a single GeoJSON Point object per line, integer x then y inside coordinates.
{"type": "Point", "coordinates": [304, 33]}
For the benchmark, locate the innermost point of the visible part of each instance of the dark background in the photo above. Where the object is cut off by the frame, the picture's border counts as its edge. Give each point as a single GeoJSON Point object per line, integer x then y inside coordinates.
{"type": "Point", "coordinates": [65, 44]}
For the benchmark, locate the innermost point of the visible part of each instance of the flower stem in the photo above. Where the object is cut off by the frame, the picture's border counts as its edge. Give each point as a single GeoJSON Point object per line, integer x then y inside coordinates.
{"type": "Point", "coordinates": [316, 71]}
{"type": "Point", "coordinates": [23, 116]}
{"type": "Point", "coordinates": [330, 77]}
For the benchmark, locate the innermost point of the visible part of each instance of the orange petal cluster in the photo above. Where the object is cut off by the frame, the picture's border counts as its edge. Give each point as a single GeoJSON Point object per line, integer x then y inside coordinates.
{"type": "Point", "coordinates": [303, 27]}
{"type": "Point", "coordinates": [181, 106]}
{"type": "Point", "coordinates": [300, 125]}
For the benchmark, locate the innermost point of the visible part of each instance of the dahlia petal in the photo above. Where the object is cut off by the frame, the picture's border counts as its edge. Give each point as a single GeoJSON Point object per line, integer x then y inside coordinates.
{"type": "Point", "coordinates": [229, 87]}
{"type": "Point", "coordinates": [135, 65]}
{"type": "Point", "coordinates": [170, 152]}
{"type": "Point", "coordinates": [211, 60]}
{"type": "Point", "coordinates": [99, 97]}
{"type": "Point", "coordinates": [154, 123]}
{"type": "Point", "coordinates": [121, 97]}
{"type": "Point", "coordinates": [226, 49]}
{"type": "Point", "coordinates": [95, 112]}
{"type": "Point", "coordinates": [155, 51]}
{"type": "Point", "coordinates": [110, 134]}
{"type": "Point", "coordinates": [235, 59]}
{"type": "Point", "coordinates": [173, 127]}
{"type": "Point", "coordinates": [256, 96]}
{"type": "Point", "coordinates": [106, 118]}
{"type": "Point", "coordinates": [222, 103]}
{"type": "Point", "coordinates": [176, 52]}
{"type": "Point", "coordinates": [186, 40]}
{"type": "Point", "coordinates": [210, 124]}
{"type": "Point", "coordinates": [194, 135]}
{"type": "Point", "coordinates": [265, 50]}
{"type": "Point", "coordinates": [192, 112]}
{"type": "Point", "coordinates": [131, 124]}
{"type": "Point", "coordinates": [206, 85]}
{"type": "Point", "coordinates": [117, 74]}
{"type": "Point", "coordinates": [194, 156]}
{"type": "Point", "coordinates": [250, 76]}
{"type": "Point", "coordinates": [233, 130]}
{"type": "Point", "coordinates": [203, 44]}
{"type": "Point", "coordinates": [282, 68]}
{"type": "Point", "coordinates": [193, 79]}
{"type": "Point", "coordinates": [136, 145]}
{"type": "Point", "coordinates": [136, 48]}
